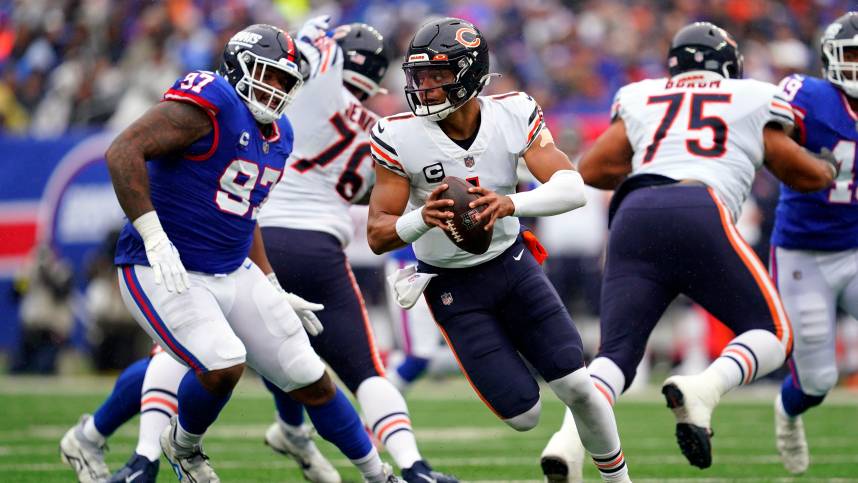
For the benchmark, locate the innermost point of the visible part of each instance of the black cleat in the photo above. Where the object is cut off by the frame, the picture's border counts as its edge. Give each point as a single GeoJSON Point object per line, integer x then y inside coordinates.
{"type": "Point", "coordinates": [554, 469]}
{"type": "Point", "coordinates": [694, 441]}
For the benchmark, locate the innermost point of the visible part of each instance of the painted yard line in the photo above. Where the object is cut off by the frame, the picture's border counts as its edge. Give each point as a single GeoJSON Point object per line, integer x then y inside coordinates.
{"type": "Point", "coordinates": [499, 461]}
{"type": "Point", "coordinates": [648, 447]}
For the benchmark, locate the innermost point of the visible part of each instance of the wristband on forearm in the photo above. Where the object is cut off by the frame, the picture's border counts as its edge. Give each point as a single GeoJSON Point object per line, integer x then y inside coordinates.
{"type": "Point", "coordinates": [410, 226]}
{"type": "Point", "coordinates": [149, 227]}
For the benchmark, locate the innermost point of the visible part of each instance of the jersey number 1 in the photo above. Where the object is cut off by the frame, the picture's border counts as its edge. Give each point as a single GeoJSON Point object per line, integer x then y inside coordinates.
{"type": "Point", "coordinates": [843, 189]}
{"type": "Point", "coordinates": [696, 121]}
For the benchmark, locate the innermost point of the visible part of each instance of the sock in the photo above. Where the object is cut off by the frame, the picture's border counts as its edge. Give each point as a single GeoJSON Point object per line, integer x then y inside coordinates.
{"type": "Point", "coordinates": [594, 419]}
{"type": "Point", "coordinates": [158, 403]}
{"type": "Point", "coordinates": [612, 466]}
{"type": "Point", "coordinates": [794, 400]}
{"type": "Point", "coordinates": [752, 354]}
{"type": "Point", "coordinates": [290, 411]}
{"type": "Point", "coordinates": [122, 404]}
{"type": "Point", "coordinates": [387, 417]}
{"type": "Point", "coordinates": [370, 466]}
{"type": "Point", "coordinates": [412, 368]}
{"type": "Point", "coordinates": [608, 378]}
{"type": "Point", "coordinates": [338, 422]}
{"type": "Point", "coordinates": [198, 409]}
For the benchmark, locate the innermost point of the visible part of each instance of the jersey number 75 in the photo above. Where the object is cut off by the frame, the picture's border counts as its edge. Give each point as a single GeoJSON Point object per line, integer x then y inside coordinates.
{"type": "Point", "coordinates": [696, 121]}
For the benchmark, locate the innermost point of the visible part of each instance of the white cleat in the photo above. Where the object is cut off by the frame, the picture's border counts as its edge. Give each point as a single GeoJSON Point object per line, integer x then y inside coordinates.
{"type": "Point", "coordinates": [692, 401]}
{"type": "Point", "coordinates": [562, 460]}
{"type": "Point", "coordinates": [790, 440]}
{"type": "Point", "coordinates": [297, 443]}
{"type": "Point", "coordinates": [190, 464]}
{"type": "Point", "coordinates": [84, 457]}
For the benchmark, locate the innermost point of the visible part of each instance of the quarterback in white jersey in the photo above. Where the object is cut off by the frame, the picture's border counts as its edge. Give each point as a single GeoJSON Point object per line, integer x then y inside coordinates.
{"type": "Point", "coordinates": [689, 146]}
{"type": "Point", "coordinates": [308, 222]}
{"type": "Point", "coordinates": [497, 309]}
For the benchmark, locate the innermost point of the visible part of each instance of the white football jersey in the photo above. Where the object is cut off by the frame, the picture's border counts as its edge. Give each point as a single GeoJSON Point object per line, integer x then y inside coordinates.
{"type": "Point", "coordinates": [417, 149]}
{"type": "Point", "coordinates": [699, 125]}
{"type": "Point", "coordinates": [330, 165]}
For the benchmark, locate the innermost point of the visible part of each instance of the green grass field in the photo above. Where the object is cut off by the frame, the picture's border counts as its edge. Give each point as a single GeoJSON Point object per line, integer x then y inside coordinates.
{"type": "Point", "coordinates": [457, 434]}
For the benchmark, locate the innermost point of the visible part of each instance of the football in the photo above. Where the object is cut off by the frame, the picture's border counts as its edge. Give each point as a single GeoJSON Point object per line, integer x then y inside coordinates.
{"type": "Point", "coordinates": [465, 231]}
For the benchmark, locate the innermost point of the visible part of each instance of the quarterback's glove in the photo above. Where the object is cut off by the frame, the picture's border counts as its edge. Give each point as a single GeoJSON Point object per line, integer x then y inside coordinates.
{"type": "Point", "coordinates": [315, 28]}
{"type": "Point", "coordinates": [304, 309]}
{"type": "Point", "coordinates": [162, 255]}
{"type": "Point", "coordinates": [408, 285]}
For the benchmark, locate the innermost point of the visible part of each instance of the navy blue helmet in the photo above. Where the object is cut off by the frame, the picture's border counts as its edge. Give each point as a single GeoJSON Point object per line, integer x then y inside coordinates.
{"type": "Point", "coordinates": [253, 58]}
{"type": "Point", "coordinates": [451, 44]}
{"type": "Point", "coordinates": [704, 46]}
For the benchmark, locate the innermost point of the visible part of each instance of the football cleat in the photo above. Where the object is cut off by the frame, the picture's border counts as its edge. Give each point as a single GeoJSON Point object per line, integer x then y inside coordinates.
{"type": "Point", "coordinates": [692, 402]}
{"type": "Point", "coordinates": [790, 440]}
{"type": "Point", "coordinates": [387, 476]}
{"type": "Point", "coordinates": [421, 472]}
{"type": "Point", "coordinates": [84, 457]}
{"type": "Point", "coordinates": [297, 443]}
{"type": "Point", "coordinates": [138, 470]}
{"type": "Point", "coordinates": [190, 464]}
{"type": "Point", "coordinates": [562, 459]}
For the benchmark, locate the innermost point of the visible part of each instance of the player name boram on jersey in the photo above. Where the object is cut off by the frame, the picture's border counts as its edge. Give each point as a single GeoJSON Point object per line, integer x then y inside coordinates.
{"type": "Point", "coordinates": [701, 126]}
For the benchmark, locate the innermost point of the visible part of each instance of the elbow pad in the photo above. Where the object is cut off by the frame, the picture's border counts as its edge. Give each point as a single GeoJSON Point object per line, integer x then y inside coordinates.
{"type": "Point", "coordinates": [563, 192]}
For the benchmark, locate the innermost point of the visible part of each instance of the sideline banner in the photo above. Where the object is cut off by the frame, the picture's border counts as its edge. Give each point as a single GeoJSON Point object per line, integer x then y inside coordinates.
{"type": "Point", "coordinates": [58, 191]}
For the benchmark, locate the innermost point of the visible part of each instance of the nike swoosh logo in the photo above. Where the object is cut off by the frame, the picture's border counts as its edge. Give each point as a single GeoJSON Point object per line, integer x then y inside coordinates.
{"type": "Point", "coordinates": [380, 128]}
{"type": "Point", "coordinates": [133, 476]}
{"type": "Point", "coordinates": [249, 264]}
{"type": "Point", "coordinates": [518, 257]}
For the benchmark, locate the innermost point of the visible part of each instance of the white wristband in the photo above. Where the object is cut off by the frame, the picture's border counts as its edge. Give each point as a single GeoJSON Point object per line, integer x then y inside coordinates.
{"type": "Point", "coordinates": [563, 192]}
{"type": "Point", "coordinates": [411, 226]}
{"type": "Point", "coordinates": [149, 227]}
{"type": "Point", "coordinates": [272, 277]}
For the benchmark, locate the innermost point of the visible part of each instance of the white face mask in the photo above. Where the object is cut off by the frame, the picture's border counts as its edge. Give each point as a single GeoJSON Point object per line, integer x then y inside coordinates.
{"type": "Point", "coordinates": [839, 71]}
{"type": "Point", "coordinates": [265, 101]}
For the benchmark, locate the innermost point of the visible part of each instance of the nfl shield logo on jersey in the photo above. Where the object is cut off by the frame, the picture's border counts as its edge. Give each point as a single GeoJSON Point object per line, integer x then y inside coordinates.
{"type": "Point", "coordinates": [469, 161]}
{"type": "Point", "coordinates": [446, 298]}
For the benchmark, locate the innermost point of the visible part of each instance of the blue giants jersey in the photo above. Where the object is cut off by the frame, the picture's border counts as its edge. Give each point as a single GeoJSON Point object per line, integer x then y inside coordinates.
{"type": "Point", "coordinates": [207, 198]}
{"type": "Point", "coordinates": [826, 220]}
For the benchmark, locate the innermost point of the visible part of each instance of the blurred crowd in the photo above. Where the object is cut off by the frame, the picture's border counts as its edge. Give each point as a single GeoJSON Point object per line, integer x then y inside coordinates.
{"type": "Point", "coordinates": [88, 63]}
{"type": "Point", "coordinates": [94, 64]}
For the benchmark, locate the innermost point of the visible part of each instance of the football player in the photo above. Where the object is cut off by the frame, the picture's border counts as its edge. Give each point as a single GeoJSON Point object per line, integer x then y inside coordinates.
{"type": "Point", "coordinates": [815, 238]}
{"type": "Point", "coordinates": [681, 153]}
{"type": "Point", "coordinates": [498, 309]}
{"type": "Point", "coordinates": [306, 226]}
{"type": "Point", "coordinates": [191, 175]}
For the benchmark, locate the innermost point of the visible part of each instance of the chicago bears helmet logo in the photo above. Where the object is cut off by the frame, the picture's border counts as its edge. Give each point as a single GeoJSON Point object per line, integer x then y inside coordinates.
{"type": "Point", "coordinates": [468, 37]}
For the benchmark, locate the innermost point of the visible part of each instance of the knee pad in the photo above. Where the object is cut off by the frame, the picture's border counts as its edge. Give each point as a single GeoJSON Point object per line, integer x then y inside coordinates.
{"type": "Point", "coordinates": [526, 420]}
{"type": "Point", "coordinates": [574, 388]}
{"type": "Point", "coordinates": [300, 369]}
{"type": "Point", "coordinates": [818, 382]}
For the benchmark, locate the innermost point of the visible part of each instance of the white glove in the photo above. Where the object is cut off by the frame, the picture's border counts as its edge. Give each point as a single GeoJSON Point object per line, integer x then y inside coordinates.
{"type": "Point", "coordinates": [304, 309]}
{"type": "Point", "coordinates": [408, 285]}
{"type": "Point", "coordinates": [315, 28]}
{"type": "Point", "coordinates": [162, 255]}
